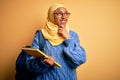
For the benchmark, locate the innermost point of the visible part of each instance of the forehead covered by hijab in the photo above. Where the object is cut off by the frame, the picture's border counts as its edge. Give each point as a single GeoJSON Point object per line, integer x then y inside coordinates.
{"type": "Point", "coordinates": [51, 10]}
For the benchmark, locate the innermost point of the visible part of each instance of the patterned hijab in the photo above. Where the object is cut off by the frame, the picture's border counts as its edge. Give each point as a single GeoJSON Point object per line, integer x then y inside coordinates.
{"type": "Point", "coordinates": [50, 31]}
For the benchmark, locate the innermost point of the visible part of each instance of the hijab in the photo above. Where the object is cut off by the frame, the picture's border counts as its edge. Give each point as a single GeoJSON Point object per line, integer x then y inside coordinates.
{"type": "Point", "coordinates": [50, 31]}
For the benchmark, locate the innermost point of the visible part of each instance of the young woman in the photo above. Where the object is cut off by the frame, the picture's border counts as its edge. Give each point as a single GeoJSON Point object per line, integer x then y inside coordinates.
{"type": "Point", "coordinates": [60, 44]}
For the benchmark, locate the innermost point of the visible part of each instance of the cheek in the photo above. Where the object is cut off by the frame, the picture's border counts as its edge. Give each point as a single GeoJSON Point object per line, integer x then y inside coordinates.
{"type": "Point", "coordinates": [57, 21]}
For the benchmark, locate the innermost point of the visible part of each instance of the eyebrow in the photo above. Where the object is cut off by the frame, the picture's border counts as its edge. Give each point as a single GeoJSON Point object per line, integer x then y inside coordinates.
{"type": "Point", "coordinates": [61, 12]}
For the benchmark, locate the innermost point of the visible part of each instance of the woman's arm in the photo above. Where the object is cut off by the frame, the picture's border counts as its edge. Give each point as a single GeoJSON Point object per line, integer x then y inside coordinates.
{"type": "Point", "coordinates": [75, 53]}
{"type": "Point", "coordinates": [37, 65]}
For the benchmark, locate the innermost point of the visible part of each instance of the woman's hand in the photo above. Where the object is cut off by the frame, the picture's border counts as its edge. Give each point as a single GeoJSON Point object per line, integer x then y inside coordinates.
{"type": "Point", "coordinates": [49, 60]}
{"type": "Point", "coordinates": [62, 31]}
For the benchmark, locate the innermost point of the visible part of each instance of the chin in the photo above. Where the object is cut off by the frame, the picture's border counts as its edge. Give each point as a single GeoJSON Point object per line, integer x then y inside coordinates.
{"type": "Point", "coordinates": [63, 23]}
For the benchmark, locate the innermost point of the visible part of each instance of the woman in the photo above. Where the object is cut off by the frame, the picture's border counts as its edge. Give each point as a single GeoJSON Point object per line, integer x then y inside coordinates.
{"type": "Point", "coordinates": [61, 44]}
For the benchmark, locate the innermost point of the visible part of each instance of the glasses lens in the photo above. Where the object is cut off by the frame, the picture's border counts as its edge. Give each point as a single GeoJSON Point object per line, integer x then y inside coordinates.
{"type": "Point", "coordinates": [62, 14]}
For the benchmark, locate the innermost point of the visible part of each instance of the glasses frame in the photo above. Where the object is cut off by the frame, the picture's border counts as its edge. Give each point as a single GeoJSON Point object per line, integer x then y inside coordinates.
{"type": "Point", "coordinates": [60, 14]}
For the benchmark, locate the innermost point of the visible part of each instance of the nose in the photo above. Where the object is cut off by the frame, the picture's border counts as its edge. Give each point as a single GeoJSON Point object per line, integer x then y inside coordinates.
{"type": "Point", "coordinates": [63, 16]}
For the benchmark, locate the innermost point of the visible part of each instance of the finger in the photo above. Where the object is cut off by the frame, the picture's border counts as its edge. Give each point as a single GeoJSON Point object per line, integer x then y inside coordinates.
{"type": "Point", "coordinates": [61, 26]}
{"type": "Point", "coordinates": [59, 30]}
{"type": "Point", "coordinates": [49, 61]}
{"type": "Point", "coordinates": [45, 60]}
{"type": "Point", "coordinates": [51, 58]}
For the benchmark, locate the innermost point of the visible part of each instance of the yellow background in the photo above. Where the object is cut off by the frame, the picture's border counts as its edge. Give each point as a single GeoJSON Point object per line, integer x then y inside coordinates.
{"type": "Point", "coordinates": [97, 22]}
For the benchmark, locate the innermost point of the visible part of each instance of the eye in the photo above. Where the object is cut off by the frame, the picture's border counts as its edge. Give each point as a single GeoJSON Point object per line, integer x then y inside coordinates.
{"type": "Point", "coordinates": [60, 14]}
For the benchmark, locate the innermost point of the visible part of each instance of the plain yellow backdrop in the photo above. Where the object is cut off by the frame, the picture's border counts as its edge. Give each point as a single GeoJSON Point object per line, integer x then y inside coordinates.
{"type": "Point", "coordinates": [97, 23]}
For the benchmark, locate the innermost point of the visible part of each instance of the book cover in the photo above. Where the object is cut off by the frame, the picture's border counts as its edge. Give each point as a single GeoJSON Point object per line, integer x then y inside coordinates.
{"type": "Point", "coordinates": [37, 53]}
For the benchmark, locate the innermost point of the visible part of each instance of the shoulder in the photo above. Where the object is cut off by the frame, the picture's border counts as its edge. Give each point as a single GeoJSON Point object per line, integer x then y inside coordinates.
{"type": "Point", "coordinates": [38, 31]}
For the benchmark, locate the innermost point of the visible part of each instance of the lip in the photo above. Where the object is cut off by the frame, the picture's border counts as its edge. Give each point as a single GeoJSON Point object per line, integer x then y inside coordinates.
{"type": "Point", "coordinates": [63, 21]}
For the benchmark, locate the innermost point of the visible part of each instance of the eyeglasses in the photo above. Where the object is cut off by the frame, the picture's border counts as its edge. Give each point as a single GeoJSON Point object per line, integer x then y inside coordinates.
{"type": "Point", "coordinates": [62, 14]}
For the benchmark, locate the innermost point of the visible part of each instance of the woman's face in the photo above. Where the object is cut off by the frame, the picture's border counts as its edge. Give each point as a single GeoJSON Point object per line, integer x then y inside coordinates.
{"type": "Point", "coordinates": [61, 16]}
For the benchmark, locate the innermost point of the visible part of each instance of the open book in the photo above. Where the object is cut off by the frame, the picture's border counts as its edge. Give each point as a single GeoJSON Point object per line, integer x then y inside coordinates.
{"type": "Point", "coordinates": [37, 53]}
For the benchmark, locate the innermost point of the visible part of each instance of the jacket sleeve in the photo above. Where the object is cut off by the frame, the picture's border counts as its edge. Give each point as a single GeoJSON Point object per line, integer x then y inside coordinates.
{"type": "Point", "coordinates": [36, 65]}
{"type": "Point", "coordinates": [75, 53]}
